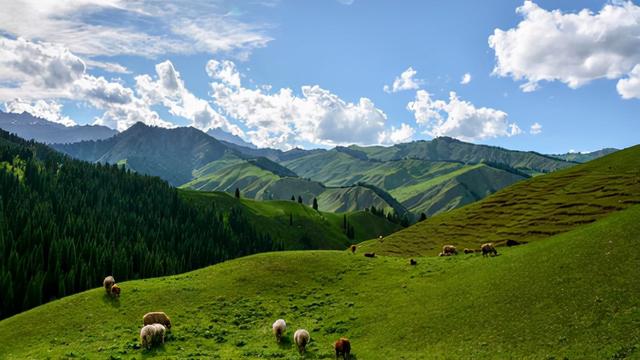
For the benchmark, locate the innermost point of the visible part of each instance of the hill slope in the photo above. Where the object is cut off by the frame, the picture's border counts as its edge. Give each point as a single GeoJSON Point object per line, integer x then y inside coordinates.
{"type": "Point", "coordinates": [574, 295]}
{"type": "Point", "coordinates": [298, 226]}
{"type": "Point", "coordinates": [584, 157]}
{"type": "Point", "coordinates": [529, 210]}
{"type": "Point", "coordinates": [32, 128]}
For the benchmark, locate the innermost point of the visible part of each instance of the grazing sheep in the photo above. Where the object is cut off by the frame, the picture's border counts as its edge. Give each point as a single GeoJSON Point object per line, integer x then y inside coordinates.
{"type": "Point", "coordinates": [301, 338]}
{"type": "Point", "coordinates": [448, 250]}
{"type": "Point", "coordinates": [157, 317]}
{"type": "Point", "coordinates": [108, 283]}
{"type": "Point", "coordinates": [151, 335]}
{"type": "Point", "coordinates": [413, 262]}
{"type": "Point", "coordinates": [469, 251]}
{"type": "Point", "coordinates": [353, 249]}
{"type": "Point", "coordinates": [370, 254]}
{"type": "Point", "coordinates": [488, 249]}
{"type": "Point", "coordinates": [279, 327]}
{"type": "Point", "coordinates": [342, 347]}
{"type": "Point", "coordinates": [115, 290]}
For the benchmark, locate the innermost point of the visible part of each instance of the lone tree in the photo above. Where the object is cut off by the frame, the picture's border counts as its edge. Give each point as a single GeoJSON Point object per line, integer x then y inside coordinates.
{"type": "Point", "coordinates": [237, 193]}
{"type": "Point", "coordinates": [299, 199]}
{"type": "Point", "coordinates": [423, 216]}
{"type": "Point", "coordinates": [293, 198]}
{"type": "Point", "coordinates": [315, 204]}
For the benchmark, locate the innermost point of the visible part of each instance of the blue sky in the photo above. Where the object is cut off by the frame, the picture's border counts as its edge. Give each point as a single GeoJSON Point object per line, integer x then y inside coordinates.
{"type": "Point", "coordinates": [586, 88]}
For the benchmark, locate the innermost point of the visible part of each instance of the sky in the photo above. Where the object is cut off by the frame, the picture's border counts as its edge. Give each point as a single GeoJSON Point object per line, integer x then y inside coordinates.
{"type": "Point", "coordinates": [549, 76]}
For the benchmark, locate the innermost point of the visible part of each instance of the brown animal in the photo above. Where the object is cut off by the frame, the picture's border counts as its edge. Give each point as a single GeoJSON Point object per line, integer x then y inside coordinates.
{"type": "Point", "coordinates": [279, 327]}
{"type": "Point", "coordinates": [301, 338]}
{"type": "Point", "coordinates": [448, 250]}
{"type": "Point", "coordinates": [353, 249]}
{"type": "Point", "coordinates": [413, 262]}
{"type": "Point", "coordinates": [108, 283]}
{"type": "Point", "coordinates": [469, 251]}
{"type": "Point", "coordinates": [157, 317]}
{"type": "Point", "coordinates": [488, 249]}
{"type": "Point", "coordinates": [115, 290]}
{"type": "Point", "coordinates": [342, 347]}
{"type": "Point", "coordinates": [370, 255]}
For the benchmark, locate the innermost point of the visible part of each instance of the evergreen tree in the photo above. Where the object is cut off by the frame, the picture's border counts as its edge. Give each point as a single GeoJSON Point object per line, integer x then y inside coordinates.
{"type": "Point", "coordinates": [344, 222]}
{"type": "Point", "coordinates": [299, 199]}
{"type": "Point", "coordinates": [293, 198]}
{"type": "Point", "coordinates": [237, 193]}
{"type": "Point", "coordinates": [290, 219]}
{"type": "Point", "coordinates": [315, 204]}
{"type": "Point", "coordinates": [423, 216]}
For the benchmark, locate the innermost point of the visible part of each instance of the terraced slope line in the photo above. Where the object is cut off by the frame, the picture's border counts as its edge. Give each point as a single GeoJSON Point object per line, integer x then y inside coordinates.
{"type": "Point", "coordinates": [529, 210]}
{"type": "Point", "coordinates": [572, 296]}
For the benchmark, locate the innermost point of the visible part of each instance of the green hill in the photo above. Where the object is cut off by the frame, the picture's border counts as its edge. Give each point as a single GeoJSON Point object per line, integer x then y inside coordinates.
{"type": "Point", "coordinates": [529, 210]}
{"type": "Point", "coordinates": [586, 156]}
{"type": "Point", "coordinates": [574, 295]}
{"type": "Point", "coordinates": [298, 226]}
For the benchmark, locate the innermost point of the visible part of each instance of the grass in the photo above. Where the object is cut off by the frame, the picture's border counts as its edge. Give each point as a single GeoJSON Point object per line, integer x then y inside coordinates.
{"type": "Point", "coordinates": [528, 210]}
{"type": "Point", "coordinates": [322, 230]}
{"type": "Point", "coordinates": [574, 295]}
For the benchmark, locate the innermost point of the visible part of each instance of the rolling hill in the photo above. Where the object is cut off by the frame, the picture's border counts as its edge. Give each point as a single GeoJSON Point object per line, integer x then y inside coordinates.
{"type": "Point", "coordinates": [573, 295]}
{"type": "Point", "coordinates": [298, 226]}
{"type": "Point", "coordinates": [586, 156]}
{"type": "Point", "coordinates": [529, 210]}
{"type": "Point", "coordinates": [33, 128]}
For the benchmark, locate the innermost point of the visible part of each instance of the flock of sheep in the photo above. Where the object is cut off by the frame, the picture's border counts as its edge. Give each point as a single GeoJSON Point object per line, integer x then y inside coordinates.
{"type": "Point", "coordinates": [486, 249]}
{"type": "Point", "coordinates": [156, 324]}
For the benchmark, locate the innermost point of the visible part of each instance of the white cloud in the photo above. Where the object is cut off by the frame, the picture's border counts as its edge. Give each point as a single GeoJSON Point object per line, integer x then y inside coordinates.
{"type": "Point", "coordinates": [282, 119]}
{"type": "Point", "coordinates": [466, 78]}
{"type": "Point", "coordinates": [574, 48]}
{"type": "Point", "coordinates": [460, 119]}
{"type": "Point", "coordinates": [346, 2]}
{"type": "Point", "coordinates": [169, 89]}
{"type": "Point", "coordinates": [629, 87]}
{"type": "Point", "coordinates": [143, 27]}
{"type": "Point", "coordinates": [405, 81]}
{"type": "Point", "coordinates": [536, 129]}
{"type": "Point", "coordinates": [394, 136]}
{"type": "Point", "coordinates": [48, 110]}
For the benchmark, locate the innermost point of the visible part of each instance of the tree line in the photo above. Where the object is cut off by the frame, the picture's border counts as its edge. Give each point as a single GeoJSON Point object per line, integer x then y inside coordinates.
{"type": "Point", "coordinates": [65, 224]}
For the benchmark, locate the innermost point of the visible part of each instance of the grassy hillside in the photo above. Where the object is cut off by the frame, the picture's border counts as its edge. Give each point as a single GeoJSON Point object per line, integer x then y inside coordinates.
{"type": "Point", "coordinates": [310, 229]}
{"type": "Point", "coordinates": [529, 210]}
{"type": "Point", "coordinates": [573, 296]}
{"type": "Point", "coordinates": [584, 157]}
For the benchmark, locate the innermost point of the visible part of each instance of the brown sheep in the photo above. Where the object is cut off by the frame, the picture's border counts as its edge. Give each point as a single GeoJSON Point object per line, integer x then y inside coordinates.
{"type": "Point", "coordinates": [353, 249]}
{"type": "Point", "coordinates": [469, 251]}
{"type": "Point", "coordinates": [115, 290]}
{"type": "Point", "coordinates": [108, 283]}
{"type": "Point", "coordinates": [413, 262]}
{"type": "Point", "coordinates": [342, 347]}
{"type": "Point", "coordinates": [488, 249]}
{"type": "Point", "coordinates": [448, 250]}
{"type": "Point", "coordinates": [370, 254]}
{"type": "Point", "coordinates": [157, 317]}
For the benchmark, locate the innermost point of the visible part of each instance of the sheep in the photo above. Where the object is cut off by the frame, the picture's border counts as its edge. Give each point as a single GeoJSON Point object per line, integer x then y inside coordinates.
{"type": "Point", "coordinates": [151, 335]}
{"type": "Point", "coordinates": [115, 290]}
{"type": "Point", "coordinates": [370, 254]}
{"type": "Point", "coordinates": [413, 262]}
{"type": "Point", "coordinates": [301, 338]}
{"type": "Point", "coordinates": [353, 249]}
{"type": "Point", "coordinates": [108, 283]}
{"type": "Point", "coordinates": [449, 250]}
{"type": "Point", "coordinates": [488, 249]}
{"type": "Point", "coordinates": [469, 251]}
{"type": "Point", "coordinates": [157, 317]}
{"type": "Point", "coordinates": [279, 327]}
{"type": "Point", "coordinates": [342, 347]}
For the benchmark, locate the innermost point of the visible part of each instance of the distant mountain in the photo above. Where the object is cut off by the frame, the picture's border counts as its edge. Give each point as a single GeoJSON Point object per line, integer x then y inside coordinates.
{"type": "Point", "coordinates": [172, 154]}
{"type": "Point", "coordinates": [32, 128]}
{"type": "Point", "coordinates": [222, 135]}
{"type": "Point", "coordinates": [584, 157]}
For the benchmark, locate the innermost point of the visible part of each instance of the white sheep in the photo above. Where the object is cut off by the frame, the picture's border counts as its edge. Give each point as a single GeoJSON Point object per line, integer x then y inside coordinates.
{"type": "Point", "coordinates": [301, 338]}
{"type": "Point", "coordinates": [151, 335]}
{"type": "Point", "coordinates": [156, 317]}
{"type": "Point", "coordinates": [279, 327]}
{"type": "Point", "coordinates": [108, 283]}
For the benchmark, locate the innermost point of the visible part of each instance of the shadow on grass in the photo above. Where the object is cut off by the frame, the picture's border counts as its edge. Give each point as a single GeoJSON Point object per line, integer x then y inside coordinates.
{"type": "Point", "coordinates": [113, 301]}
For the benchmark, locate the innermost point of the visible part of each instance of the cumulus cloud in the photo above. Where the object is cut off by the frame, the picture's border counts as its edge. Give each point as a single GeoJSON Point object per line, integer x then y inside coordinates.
{"type": "Point", "coordinates": [48, 110]}
{"type": "Point", "coordinates": [169, 90]}
{"type": "Point", "coordinates": [466, 78]}
{"type": "Point", "coordinates": [144, 28]}
{"type": "Point", "coordinates": [574, 48]}
{"type": "Point", "coordinates": [283, 119]}
{"type": "Point", "coordinates": [535, 129]}
{"type": "Point", "coordinates": [406, 81]}
{"type": "Point", "coordinates": [460, 119]}
{"type": "Point", "coordinates": [397, 135]}
{"type": "Point", "coordinates": [629, 87]}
